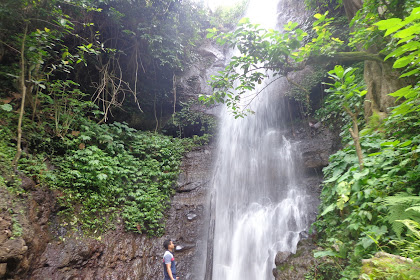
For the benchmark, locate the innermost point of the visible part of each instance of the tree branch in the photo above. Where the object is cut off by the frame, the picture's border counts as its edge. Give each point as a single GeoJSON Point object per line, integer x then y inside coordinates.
{"type": "Point", "coordinates": [346, 57]}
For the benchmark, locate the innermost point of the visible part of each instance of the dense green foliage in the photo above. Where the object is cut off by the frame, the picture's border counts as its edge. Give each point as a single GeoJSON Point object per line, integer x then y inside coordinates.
{"type": "Point", "coordinates": [348, 90]}
{"type": "Point", "coordinates": [189, 122]}
{"type": "Point", "coordinates": [123, 54]}
{"type": "Point", "coordinates": [107, 167]}
{"type": "Point", "coordinates": [69, 71]}
{"type": "Point", "coordinates": [104, 173]}
{"type": "Point", "coordinates": [376, 208]}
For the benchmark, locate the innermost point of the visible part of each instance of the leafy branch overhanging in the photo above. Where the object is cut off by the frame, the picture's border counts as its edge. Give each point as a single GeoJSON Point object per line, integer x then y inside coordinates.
{"type": "Point", "coordinates": [265, 53]}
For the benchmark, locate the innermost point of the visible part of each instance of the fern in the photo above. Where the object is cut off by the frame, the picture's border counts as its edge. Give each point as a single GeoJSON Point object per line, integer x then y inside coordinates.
{"type": "Point", "coordinates": [402, 207]}
{"type": "Point", "coordinates": [410, 247]}
{"type": "Point", "coordinates": [415, 208]}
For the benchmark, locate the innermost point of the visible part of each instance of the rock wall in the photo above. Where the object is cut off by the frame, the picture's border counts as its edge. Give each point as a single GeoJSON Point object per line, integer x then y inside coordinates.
{"type": "Point", "coordinates": [25, 215]}
{"type": "Point", "coordinates": [316, 145]}
{"type": "Point", "coordinates": [193, 82]}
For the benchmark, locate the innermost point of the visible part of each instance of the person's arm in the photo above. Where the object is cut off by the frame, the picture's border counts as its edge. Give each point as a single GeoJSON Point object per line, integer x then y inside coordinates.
{"type": "Point", "coordinates": [168, 269]}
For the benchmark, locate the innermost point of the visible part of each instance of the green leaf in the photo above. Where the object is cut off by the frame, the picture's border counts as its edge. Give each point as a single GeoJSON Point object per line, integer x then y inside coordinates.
{"type": "Point", "coordinates": [414, 29]}
{"type": "Point", "coordinates": [85, 137]}
{"type": "Point", "coordinates": [406, 143]}
{"type": "Point", "coordinates": [6, 107]}
{"type": "Point", "coordinates": [330, 208]}
{"type": "Point", "coordinates": [321, 254]}
{"type": "Point", "coordinates": [410, 73]}
{"type": "Point", "coordinates": [401, 92]}
{"type": "Point", "coordinates": [102, 176]}
{"type": "Point", "coordinates": [390, 25]}
{"type": "Point", "coordinates": [402, 62]}
{"type": "Point", "coordinates": [359, 175]}
{"type": "Point", "coordinates": [414, 45]}
{"type": "Point", "coordinates": [390, 143]}
{"type": "Point", "coordinates": [415, 15]}
{"type": "Point", "coordinates": [366, 242]}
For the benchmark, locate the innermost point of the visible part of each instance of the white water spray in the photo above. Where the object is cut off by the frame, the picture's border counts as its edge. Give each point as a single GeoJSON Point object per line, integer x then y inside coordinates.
{"type": "Point", "coordinates": [259, 206]}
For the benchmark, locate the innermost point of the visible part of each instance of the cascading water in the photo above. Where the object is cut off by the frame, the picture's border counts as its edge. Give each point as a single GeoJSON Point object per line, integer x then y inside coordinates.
{"type": "Point", "coordinates": [259, 207]}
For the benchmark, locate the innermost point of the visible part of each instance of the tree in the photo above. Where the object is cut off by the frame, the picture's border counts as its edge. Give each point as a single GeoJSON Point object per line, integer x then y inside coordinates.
{"type": "Point", "coordinates": [351, 95]}
{"type": "Point", "coordinates": [290, 50]}
{"type": "Point", "coordinates": [280, 52]}
{"type": "Point", "coordinates": [42, 53]}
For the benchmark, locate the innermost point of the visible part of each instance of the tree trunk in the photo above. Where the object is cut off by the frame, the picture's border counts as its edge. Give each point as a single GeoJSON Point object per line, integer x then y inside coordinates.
{"type": "Point", "coordinates": [351, 7]}
{"type": "Point", "coordinates": [355, 135]}
{"type": "Point", "coordinates": [22, 106]}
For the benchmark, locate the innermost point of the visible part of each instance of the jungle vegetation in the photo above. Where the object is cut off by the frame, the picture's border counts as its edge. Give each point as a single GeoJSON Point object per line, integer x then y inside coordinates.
{"type": "Point", "coordinates": [87, 92]}
{"type": "Point", "coordinates": [87, 87]}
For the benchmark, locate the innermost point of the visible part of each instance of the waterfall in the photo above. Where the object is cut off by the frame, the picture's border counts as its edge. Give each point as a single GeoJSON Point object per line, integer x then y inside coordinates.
{"type": "Point", "coordinates": [259, 205]}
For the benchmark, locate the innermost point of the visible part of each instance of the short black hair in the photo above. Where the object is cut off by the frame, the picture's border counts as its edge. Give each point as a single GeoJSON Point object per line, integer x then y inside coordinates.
{"type": "Point", "coordinates": [166, 243]}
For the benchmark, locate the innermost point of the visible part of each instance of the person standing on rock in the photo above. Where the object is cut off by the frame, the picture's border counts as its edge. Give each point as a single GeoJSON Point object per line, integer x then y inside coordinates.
{"type": "Point", "coordinates": [169, 265]}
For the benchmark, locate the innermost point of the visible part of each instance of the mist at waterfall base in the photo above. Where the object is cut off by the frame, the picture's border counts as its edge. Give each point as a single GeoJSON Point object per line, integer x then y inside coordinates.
{"type": "Point", "coordinates": [259, 206]}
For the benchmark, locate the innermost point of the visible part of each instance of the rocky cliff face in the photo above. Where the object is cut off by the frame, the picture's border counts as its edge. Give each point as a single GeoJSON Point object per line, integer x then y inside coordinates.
{"type": "Point", "coordinates": [193, 82]}
{"type": "Point", "coordinates": [316, 145]}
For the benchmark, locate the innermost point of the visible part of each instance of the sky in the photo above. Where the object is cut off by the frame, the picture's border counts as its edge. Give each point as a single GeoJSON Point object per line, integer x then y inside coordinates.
{"type": "Point", "coordinates": [213, 4]}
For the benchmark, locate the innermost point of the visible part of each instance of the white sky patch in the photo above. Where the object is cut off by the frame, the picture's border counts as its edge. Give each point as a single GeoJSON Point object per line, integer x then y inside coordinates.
{"type": "Point", "coordinates": [213, 4]}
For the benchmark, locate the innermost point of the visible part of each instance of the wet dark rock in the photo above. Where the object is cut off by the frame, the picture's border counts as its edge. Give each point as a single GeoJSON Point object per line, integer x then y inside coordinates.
{"type": "Point", "coordinates": [189, 186]}
{"type": "Point", "coordinates": [316, 146]}
{"type": "Point", "coordinates": [73, 253]}
{"type": "Point", "coordinates": [281, 257]}
{"type": "Point", "coordinates": [294, 266]}
{"type": "Point", "coordinates": [27, 182]}
{"type": "Point", "coordinates": [12, 249]}
{"type": "Point", "coordinates": [3, 268]}
{"type": "Point", "coordinates": [194, 81]}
